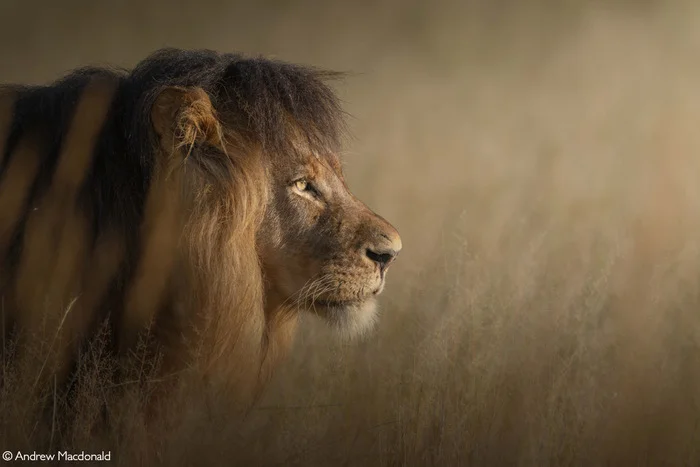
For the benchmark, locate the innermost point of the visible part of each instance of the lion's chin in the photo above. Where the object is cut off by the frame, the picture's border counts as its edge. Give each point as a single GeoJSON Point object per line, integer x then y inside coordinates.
{"type": "Point", "coordinates": [351, 320]}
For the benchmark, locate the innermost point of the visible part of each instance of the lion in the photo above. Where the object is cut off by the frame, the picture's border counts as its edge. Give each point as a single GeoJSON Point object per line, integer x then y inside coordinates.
{"type": "Point", "coordinates": [198, 199]}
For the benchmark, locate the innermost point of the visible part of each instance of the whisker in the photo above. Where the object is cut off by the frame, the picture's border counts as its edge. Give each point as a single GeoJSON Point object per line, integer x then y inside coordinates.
{"type": "Point", "coordinates": [297, 299]}
{"type": "Point", "coordinates": [315, 289]}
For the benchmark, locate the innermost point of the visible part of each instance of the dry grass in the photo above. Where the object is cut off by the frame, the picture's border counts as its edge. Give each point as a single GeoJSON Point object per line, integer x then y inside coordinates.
{"type": "Point", "coordinates": [541, 162]}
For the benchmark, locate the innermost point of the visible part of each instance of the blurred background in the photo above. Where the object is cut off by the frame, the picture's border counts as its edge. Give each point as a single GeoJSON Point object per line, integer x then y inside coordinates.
{"type": "Point", "coordinates": [540, 160]}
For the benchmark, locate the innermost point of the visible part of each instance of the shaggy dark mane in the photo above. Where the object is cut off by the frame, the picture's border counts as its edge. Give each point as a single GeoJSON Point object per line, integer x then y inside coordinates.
{"type": "Point", "coordinates": [262, 94]}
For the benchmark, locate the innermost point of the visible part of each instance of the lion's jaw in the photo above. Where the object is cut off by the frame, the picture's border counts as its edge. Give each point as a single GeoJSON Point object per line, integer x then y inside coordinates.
{"type": "Point", "coordinates": [348, 318]}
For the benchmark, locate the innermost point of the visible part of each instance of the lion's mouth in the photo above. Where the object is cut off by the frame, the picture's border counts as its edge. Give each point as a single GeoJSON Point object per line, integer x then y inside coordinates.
{"type": "Point", "coordinates": [331, 303]}
{"type": "Point", "coordinates": [337, 303]}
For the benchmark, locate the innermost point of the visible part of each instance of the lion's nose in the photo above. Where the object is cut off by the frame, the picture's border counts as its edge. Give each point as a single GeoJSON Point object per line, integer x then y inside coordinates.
{"type": "Point", "coordinates": [383, 259]}
{"type": "Point", "coordinates": [385, 251]}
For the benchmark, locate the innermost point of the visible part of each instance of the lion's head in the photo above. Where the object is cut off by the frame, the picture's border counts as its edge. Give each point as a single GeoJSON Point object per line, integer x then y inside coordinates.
{"type": "Point", "coordinates": [320, 248]}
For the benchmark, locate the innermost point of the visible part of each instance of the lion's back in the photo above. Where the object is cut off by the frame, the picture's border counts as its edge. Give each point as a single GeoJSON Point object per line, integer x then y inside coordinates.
{"type": "Point", "coordinates": [66, 184]}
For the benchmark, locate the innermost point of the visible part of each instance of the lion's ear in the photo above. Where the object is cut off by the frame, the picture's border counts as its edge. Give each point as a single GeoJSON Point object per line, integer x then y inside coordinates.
{"type": "Point", "coordinates": [183, 117]}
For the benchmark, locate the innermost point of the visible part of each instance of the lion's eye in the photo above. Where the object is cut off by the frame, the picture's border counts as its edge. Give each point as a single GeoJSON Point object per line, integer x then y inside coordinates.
{"type": "Point", "coordinates": [307, 188]}
{"type": "Point", "coordinates": [301, 185]}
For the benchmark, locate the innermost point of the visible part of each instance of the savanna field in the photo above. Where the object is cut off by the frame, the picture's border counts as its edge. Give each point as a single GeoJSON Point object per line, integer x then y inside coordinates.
{"type": "Point", "coordinates": [541, 161]}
